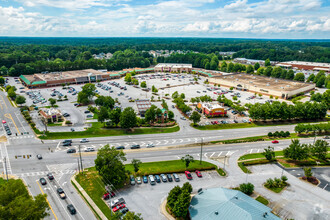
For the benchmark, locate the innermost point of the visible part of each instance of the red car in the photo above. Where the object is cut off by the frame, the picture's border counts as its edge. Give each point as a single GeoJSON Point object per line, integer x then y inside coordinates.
{"type": "Point", "coordinates": [118, 207]}
{"type": "Point", "coordinates": [188, 175]}
{"type": "Point", "coordinates": [4, 122]}
{"type": "Point", "coordinates": [198, 173]}
{"type": "Point", "coordinates": [107, 196]}
{"type": "Point", "coordinates": [275, 142]}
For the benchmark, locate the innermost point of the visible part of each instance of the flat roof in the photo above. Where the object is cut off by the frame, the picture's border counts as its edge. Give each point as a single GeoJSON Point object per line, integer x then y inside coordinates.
{"type": "Point", "coordinates": [68, 74]}
{"type": "Point", "coordinates": [263, 82]}
{"type": "Point", "coordinates": [143, 104]}
{"type": "Point", "coordinates": [182, 65]}
{"type": "Point", "coordinates": [326, 65]}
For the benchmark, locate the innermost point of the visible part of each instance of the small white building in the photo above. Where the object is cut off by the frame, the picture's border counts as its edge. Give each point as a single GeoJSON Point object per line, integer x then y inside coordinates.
{"type": "Point", "coordinates": [173, 67]}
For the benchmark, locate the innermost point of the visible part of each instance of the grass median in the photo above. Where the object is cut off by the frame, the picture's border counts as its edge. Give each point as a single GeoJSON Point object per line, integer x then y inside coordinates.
{"type": "Point", "coordinates": [93, 185]}
{"type": "Point", "coordinates": [262, 200]}
{"type": "Point", "coordinates": [97, 130]}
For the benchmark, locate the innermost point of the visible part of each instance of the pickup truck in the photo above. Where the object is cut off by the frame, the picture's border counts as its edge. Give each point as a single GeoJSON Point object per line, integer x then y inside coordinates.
{"type": "Point", "coordinates": [61, 193]}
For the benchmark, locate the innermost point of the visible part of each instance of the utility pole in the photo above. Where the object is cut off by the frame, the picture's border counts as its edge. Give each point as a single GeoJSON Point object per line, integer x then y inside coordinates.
{"type": "Point", "coordinates": [6, 168]}
{"type": "Point", "coordinates": [200, 161]}
{"type": "Point", "coordinates": [82, 169]}
{"type": "Point", "coordinates": [78, 164]}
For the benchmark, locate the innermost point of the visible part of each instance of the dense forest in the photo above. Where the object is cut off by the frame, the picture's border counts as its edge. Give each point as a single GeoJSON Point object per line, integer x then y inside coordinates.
{"type": "Point", "coordinates": [19, 55]}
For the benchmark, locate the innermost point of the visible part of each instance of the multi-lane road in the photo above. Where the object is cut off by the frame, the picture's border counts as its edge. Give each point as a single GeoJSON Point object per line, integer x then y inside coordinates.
{"type": "Point", "coordinates": [20, 152]}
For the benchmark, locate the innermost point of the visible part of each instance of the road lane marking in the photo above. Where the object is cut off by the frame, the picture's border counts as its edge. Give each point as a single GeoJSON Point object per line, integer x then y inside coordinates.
{"type": "Point", "coordinates": [325, 186]}
{"type": "Point", "coordinates": [219, 154]}
{"type": "Point", "coordinates": [212, 154]}
{"type": "Point", "coordinates": [47, 201]}
{"type": "Point", "coordinates": [8, 115]}
{"type": "Point", "coordinates": [4, 101]}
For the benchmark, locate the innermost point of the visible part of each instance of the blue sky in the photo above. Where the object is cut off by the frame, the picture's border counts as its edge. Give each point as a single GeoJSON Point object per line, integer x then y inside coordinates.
{"type": "Point", "coordinates": [289, 19]}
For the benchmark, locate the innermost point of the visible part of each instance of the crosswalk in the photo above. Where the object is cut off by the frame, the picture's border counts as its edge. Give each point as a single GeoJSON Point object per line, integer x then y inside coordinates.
{"type": "Point", "coordinates": [43, 173]}
{"type": "Point", "coordinates": [20, 137]}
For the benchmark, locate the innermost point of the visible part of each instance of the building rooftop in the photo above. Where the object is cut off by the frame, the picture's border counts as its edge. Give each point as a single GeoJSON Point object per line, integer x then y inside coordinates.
{"type": "Point", "coordinates": [263, 82]}
{"type": "Point", "coordinates": [143, 104]}
{"type": "Point", "coordinates": [68, 74]}
{"type": "Point", "coordinates": [326, 65]}
{"type": "Point", "coordinates": [210, 106]}
{"type": "Point", "coordinates": [172, 65]}
{"type": "Point", "coordinates": [227, 204]}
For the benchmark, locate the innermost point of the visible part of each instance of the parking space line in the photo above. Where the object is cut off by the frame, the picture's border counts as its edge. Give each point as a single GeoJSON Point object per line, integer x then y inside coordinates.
{"type": "Point", "coordinates": [212, 154]}
{"type": "Point", "coordinates": [251, 151]}
{"type": "Point", "coordinates": [228, 153]}
{"type": "Point", "coordinates": [325, 186]}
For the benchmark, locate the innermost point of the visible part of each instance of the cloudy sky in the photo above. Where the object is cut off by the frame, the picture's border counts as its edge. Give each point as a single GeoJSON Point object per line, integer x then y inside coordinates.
{"type": "Point", "coordinates": [161, 18]}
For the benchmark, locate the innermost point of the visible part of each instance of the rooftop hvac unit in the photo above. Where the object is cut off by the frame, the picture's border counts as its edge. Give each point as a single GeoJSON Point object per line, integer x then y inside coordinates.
{"type": "Point", "coordinates": [276, 80]}
{"type": "Point", "coordinates": [267, 84]}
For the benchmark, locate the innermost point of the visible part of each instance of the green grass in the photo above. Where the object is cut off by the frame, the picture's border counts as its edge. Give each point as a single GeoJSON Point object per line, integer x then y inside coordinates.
{"type": "Point", "coordinates": [97, 131]}
{"type": "Point", "coordinates": [171, 166]}
{"type": "Point", "coordinates": [243, 168]}
{"type": "Point", "coordinates": [276, 189]}
{"type": "Point", "coordinates": [48, 106]}
{"type": "Point", "coordinates": [262, 200]}
{"type": "Point", "coordinates": [258, 155]}
{"type": "Point", "coordinates": [221, 172]}
{"type": "Point", "coordinates": [54, 124]}
{"type": "Point", "coordinates": [224, 126]}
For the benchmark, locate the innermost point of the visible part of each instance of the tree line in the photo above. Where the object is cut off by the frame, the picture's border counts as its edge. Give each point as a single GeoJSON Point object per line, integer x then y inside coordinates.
{"type": "Point", "coordinates": [312, 128]}
{"type": "Point", "coordinates": [283, 111]}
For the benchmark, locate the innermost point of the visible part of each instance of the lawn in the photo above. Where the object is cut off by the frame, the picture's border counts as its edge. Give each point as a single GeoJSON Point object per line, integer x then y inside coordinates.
{"type": "Point", "coordinates": [224, 126]}
{"type": "Point", "coordinates": [97, 131]}
{"type": "Point", "coordinates": [92, 183]}
{"type": "Point", "coordinates": [171, 166]}
{"type": "Point", "coordinates": [276, 189]}
{"type": "Point", "coordinates": [54, 124]}
{"type": "Point", "coordinates": [262, 200]}
{"type": "Point", "coordinates": [258, 155]}
{"type": "Point", "coordinates": [243, 168]}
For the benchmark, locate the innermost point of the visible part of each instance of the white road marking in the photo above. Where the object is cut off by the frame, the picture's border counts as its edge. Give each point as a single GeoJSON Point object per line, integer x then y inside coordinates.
{"type": "Point", "coordinates": [173, 141]}
{"type": "Point", "coordinates": [212, 154]}
{"type": "Point", "coordinates": [158, 142]}
{"type": "Point", "coordinates": [181, 140]}
{"type": "Point", "coordinates": [258, 150]}
{"type": "Point", "coordinates": [219, 154]}
{"type": "Point", "coordinates": [142, 144]}
{"type": "Point", "coordinates": [166, 141]}
{"type": "Point", "coordinates": [205, 154]}
{"type": "Point", "coordinates": [325, 186]}
{"type": "Point", "coordinates": [228, 153]}
{"type": "Point", "coordinates": [251, 151]}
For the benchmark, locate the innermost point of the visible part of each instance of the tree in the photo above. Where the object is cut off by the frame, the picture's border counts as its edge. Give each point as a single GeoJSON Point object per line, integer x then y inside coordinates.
{"type": "Point", "coordinates": [11, 92]}
{"type": "Point", "coordinates": [269, 153]}
{"type": "Point", "coordinates": [296, 151]}
{"type": "Point", "coordinates": [187, 186]}
{"type": "Point", "coordinates": [52, 101]}
{"type": "Point", "coordinates": [109, 164]}
{"type": "Point", "coordinates": [154, 89]}
{"type": "Point", "coordinates": [170, 115]}
{"type": "Point", "coordinates": [114, 116]}
{"type": "Point", "coordinates": [249, 69]}
{"type": "Point", "coordinates": [17, 203]}
{"type": "Point", "coordinates": [150, 114]}
{"type": "Point", "coordinates": [246, 188]}
{"type": "Point", "coordinates": [136, 164]}
{"type": "Point", "coordinates": [290, 75]}
{"type": "Point", "coordinates": [173, 196]}
{"type": "Point", "coordinates": [311, 78]}
{"type": "Point", "coordinates": [187, 160]}
{"type": "Point", "coordinates": [256, 66]}
{"type": "Point", "coordinates": [89, 90]}
{"type": "Point", "coordinates": [299, 77]}
{"type": "Point", "coordinates": [20, 100]}
{"type": "Point", "coordinates": [308, 172]}
{"type": "Point", "coordinates": [195, 117]}
{"type": "Point", "coordinates": [83, 98]}
{"type": "Point", "coordinates": [180, 208]}
{"type": "Point", "coordinates": [267, 62]}
{"type": "Point", "coordinates": [143, 84]}
{"type": "Point", "coordinates": [2, 81]}
{"type": "Point", "coordinates": [128, 118]}
{"type": "Point", "coordinates": [319, 149]}
{"type": "Point", "coordinates": [182, 96]}
{"type": "Point", "coordinates": [128, 78]}
{"type": "Point", "coordinates": [132, 216]}
{"type": "Point", "coordinates": [3, 70]}
{"type": "Point", "coordinates": [103, 114]}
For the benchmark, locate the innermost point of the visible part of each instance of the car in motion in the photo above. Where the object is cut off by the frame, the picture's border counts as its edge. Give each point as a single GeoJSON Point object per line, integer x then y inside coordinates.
{"type": "Point", "coordinates": [61, 193]}
{"type": "Point", "coordinates": [198, 173]}
{"type": "Point", "coordinates": [71, 209]}
{"type": "Point", "coordinates": [43, 181]}
{"type": "Point", "coordinates": [120, 147]}
{"type": "Point", "coordinates": [71, 151]}
{"type": "Point", "coordinates": [275, 142]}
{"type": "Point", "coordinates": [188, 175]}
{"type": "Point", "coordinates": [84, 140]}
{"type": "Point", "coordinates": [39, 156]}
{"type": "Point", "coordinates": [136, 146]}
{"type": "Point", "coordinates": [50, 176]}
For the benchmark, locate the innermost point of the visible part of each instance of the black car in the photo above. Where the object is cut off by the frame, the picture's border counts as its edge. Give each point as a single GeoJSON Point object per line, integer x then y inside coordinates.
{"type": "Point", "coordinates": [71, 151]}
{"type": "Point", "coordinates": [124, 210]}
{"type": "Point", "coordinates": [135, 146]}
{"type": "Point", "coordinates": [42, 181]}
{"type": "Point", "coordinates": [169, 177]}
{"type": "Point", "coordinates": [50, 176]}
{"type": "Point", "coordinates": [120, 147]}
{"type": "Point", "coordinates": [67, 140]}
{"type": "Point", "coordinates": [66, 144]}
{"type": "Point", "coordinates": [71, 209]}
{"type": "Point", "coordinates": [157, 178]}
{"type": "Point", "coordinates": [87, 112]}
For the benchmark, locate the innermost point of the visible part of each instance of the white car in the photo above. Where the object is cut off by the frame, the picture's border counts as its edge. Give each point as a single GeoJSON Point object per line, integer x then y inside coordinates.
{"type": "Point", "coordinates": [84, 140]}
{"type": "Point", "coordinates": [150, 145]}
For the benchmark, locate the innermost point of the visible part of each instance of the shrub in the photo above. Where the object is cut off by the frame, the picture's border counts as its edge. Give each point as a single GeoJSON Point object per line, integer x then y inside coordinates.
{"type": "Point", "coordinates": [312, 180]}
{"type": "Point", "coordinates": [246, 188]}
{"type": "Point", "coordinates": [276, 134]}
{"type": "Point", "coordinates": [270, 134]}
{"type": "Point", "coordinates": [287, 134]}
{"type": "Point", "coordinates": [282, 133]}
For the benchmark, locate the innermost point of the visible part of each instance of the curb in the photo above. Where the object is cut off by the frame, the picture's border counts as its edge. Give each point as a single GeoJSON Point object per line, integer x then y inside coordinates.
{"type": "Point", "coordinates": [164, 211]}
{"type": "Point", "coordinates": [87, 198]}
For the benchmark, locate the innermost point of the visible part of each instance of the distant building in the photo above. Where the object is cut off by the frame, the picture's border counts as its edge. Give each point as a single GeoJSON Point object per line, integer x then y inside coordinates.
{"type": "Point", "coordinates": [263, 85]}
{"type": "Point", "coordinates": [51, 115]}
{"type": "Point", "coordinates": [143, 105]}
{"type": "Point", "coordinates": [212, 110]}
{"type": "Point", "coordinates": [227, 204]}
{"type": "Point", "coordinates": [252, 62]}
{"type": "Point", "coordinates": [228, 53]}
{"type": "Point", "coordinates": [173, 67]}
{"type": "Point", "coordinates": [305, 65]}
{"type": "Point", "coordinates": [102, 56]}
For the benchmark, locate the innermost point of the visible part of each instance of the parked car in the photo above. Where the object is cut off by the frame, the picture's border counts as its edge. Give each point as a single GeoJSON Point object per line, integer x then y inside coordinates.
{"type": "Point", "coordinates": [50, 176]}
{"type": "Point", "coordinates": [71, 151]}
{"type": "Point", "coordinates": [61, 193]}
{"type": "Point", "coordinates": [107, 196]}
{"type": "Point", "coordinates": [150, 145]}
{"type": "Point", "coordinates": [152, 180]}
{"type": "Point", "coordinates": [169, 177]}
{"type": "Point", "coordinates": [157, 178]}
{"type": "Point", "coordinates": [163, 177]}
{"type": "Point", "coordinates": [275, 142]}
{"type": "Point", "coordinates": [135, 146]}
{"type": "Point", "coordinates": [118, 207]}
{"type": "Point", "coordinates": [132, 180]}
{"type": "Point", "coordinates": [188, 175]}
{"type": "Point", "coordinates": [117, 202]}
{"type": "Point", "coordinates": [124, 210]}
{"type": "Point", "coordinates": [43, 181]}
{"type": "Point", "coordinates": [198, 173]}
{"type": "Point", "coordinates": [145, 179]}
{"type": "Point", "coordinates": [176, 177]}
{"type": "Point", "coordinates": [71, 209]}
{"type": "Point", "coordinates": [138, 180]}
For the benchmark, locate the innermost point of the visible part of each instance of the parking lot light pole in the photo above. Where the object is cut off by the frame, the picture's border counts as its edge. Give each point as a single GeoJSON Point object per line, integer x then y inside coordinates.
{"type": "Point", "coordinates": [200, 160]}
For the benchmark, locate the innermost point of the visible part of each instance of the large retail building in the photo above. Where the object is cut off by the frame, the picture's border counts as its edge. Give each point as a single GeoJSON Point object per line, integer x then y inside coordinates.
{"type": "Point", "coordinates": [262, 85]}
{"type": "Point", "coordinates": [173, 67]}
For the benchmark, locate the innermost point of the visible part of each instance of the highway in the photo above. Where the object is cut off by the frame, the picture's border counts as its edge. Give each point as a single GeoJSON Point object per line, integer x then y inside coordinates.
{"type": "Point", "coordinates": [20, 152]}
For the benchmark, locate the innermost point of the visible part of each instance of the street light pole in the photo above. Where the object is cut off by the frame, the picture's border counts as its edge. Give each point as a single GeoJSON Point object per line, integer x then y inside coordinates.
{"type": "Point", "coordinates": [6, 168]}
{"type": "Point", "coordinates": [200, 160]}
{"type": "Point", "coordinates": [82, 169]}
